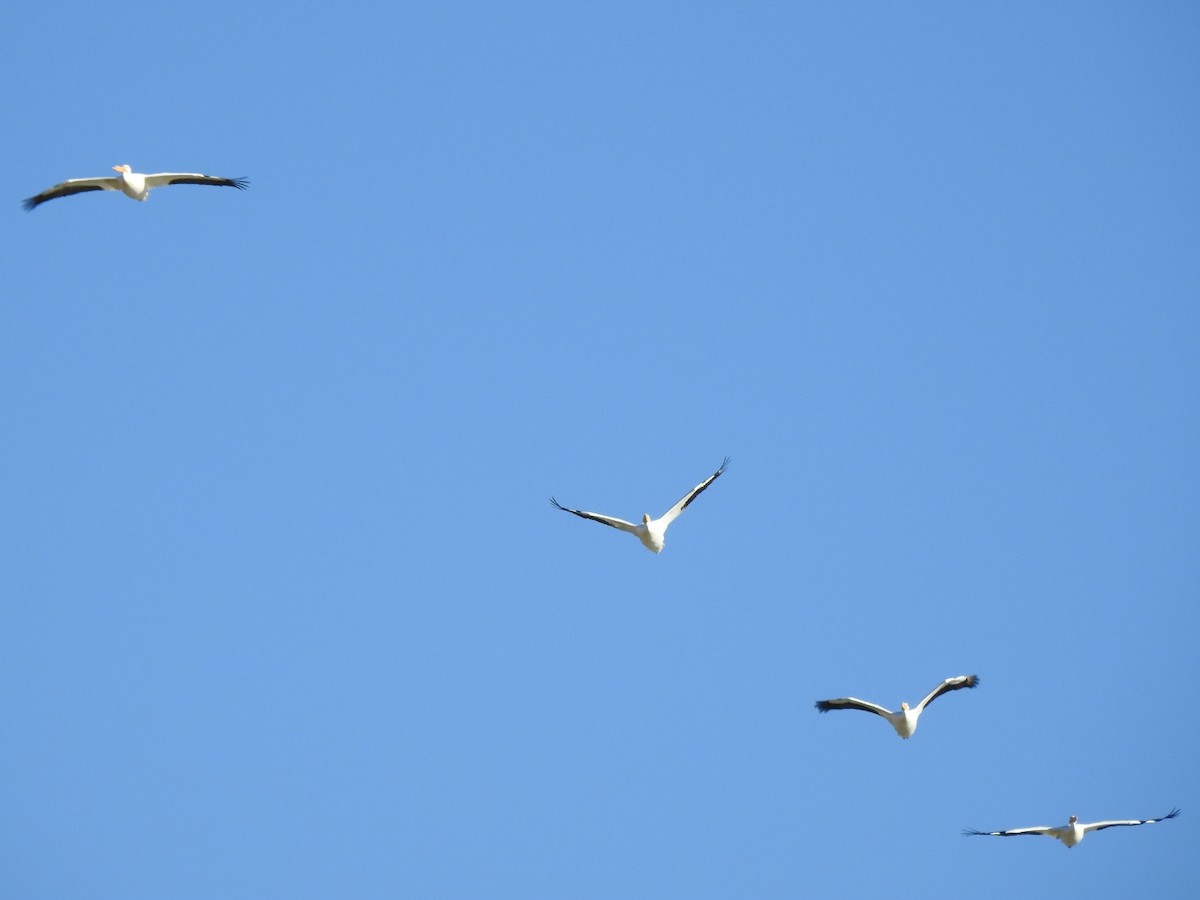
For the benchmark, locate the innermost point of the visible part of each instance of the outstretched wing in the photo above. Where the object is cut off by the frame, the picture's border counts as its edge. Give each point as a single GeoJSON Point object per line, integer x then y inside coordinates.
{"type": "Point", "coordinates": [852, 703]}
{"type": "Point", "coordinates": [73, 186]}
{"type": "Point", "coordinates": [1040, 829]}
{"type": "Point", "coordinates": [162, 179]}
{"type": "Point", "coordinates": [669, 516]}
{"type": "Point", "coordinates": [611, 521]}
{"type": "Point", "coordinates": [957, 683]}
{"type": "Point", "coordinates": [1099, 826]}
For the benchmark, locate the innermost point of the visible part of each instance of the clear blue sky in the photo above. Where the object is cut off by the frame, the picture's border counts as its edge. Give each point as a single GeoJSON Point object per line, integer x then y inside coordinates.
{"type": "Point", "coordinates": [286, 612]}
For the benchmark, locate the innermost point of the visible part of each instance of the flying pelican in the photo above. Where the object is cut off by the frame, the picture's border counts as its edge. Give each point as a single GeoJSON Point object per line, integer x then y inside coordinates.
{"type": "Point", "coordinates": [131, 184]}
{"type": "Point", "coordinates": [1072, 833]}
{"type": "Point", "coordinates": [905, 721]}
{"type": "Point", "coordinates": [651, 532]}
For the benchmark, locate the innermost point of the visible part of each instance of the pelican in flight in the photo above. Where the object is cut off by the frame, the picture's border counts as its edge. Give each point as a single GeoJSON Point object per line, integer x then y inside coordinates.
{"type": "Point", "coordinates": [1072, 833]}
{"type": "Point", "coordinates": [904, 721]}
{"type": "Point", "coordinates": [131, 184]}
{"type": "Point", "coordinates": [651, 532]}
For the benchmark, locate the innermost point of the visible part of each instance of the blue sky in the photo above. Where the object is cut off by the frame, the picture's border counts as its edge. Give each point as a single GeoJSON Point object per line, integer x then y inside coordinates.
{"type": "Point", "coordinates": [286, 610]}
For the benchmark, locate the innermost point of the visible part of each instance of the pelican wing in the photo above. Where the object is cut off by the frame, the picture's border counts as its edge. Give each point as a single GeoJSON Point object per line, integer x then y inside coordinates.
{"type": "Point", "coordinates": [852, 703]}
{"type": "Point", "coordinates": [957, 683]}
{"type": "Point", "coordinates": [1099, 826]}
{"type": "Point", "coordinates": [73, 186]}
{"type": "Point", "coordinates": [162, 179]}
{"type": "Point", "coordinates": [1039, 829]}
{"type": "Point", "coordinates": [611, 521]}
{"type": "Point", "coordinates": [669, 516]}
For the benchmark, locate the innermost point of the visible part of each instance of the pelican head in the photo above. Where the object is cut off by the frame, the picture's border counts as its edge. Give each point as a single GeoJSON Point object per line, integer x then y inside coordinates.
{"type": "Point", "coordinates": [645, 518]}
{"type": "Point", "coordinates": [1072, 820]}
{"type": "Point", "coordinates": [124, 168]}
{"type": "Point", "coordinates": [904, 706]}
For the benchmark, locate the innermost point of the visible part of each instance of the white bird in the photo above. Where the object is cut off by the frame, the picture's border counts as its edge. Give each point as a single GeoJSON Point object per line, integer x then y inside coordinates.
{"type": "Point", "coordinates": [904, 721]}
{"type": "Point", "coordinates": [1072, 833]}
{"type": "Point", "coordinates": [131, 184]}
{"type": "Point", "coordinates": [651, 532]}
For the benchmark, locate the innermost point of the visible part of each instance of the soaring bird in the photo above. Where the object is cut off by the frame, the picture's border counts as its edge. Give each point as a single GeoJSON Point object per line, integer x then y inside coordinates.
{"type": "Point", "coordinates": [904, 721]}
{"type": "Point", "coordinates": [131, 184]}
{"type": "Point", "coordinates": [1072, 833]}
{"type": "Point", "coordinates": [651, 532]}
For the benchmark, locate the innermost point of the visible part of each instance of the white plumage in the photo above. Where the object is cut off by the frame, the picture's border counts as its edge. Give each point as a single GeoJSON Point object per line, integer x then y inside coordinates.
{"type": "Point", "coordinates": [651, 532]}
{"type": "Point", "coordinates": [131, 184]}
{"type": "Point", "coordinates": [904, 721]}
{"type": "Point", "coordinates": [1072, 833]}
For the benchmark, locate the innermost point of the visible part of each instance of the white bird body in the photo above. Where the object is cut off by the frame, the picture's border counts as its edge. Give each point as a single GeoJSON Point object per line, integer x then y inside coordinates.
{"type": "Point", "coordinates": [1073, 832]}
{"type": "Point", "coordinates": [905, 720]}
{"type": "Point", "coordinates": [651, 532]}
{"type": "Point", "coordinates": [132, 184]}
{"type": "Point", "coordinates": [1070, 834]}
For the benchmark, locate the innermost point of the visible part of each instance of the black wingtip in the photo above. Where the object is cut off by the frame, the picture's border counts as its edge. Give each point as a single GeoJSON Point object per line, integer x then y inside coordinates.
{"type": "Point", "coordinates": [823, 706]}
{"type": "Point", "coordinates": [1172, 814]}
{"type": "Point", "coordinates": [30, 204]}
{"type": "Point", "coordinates": [240, 183]}
{"type": "Point", "coordinates": [967, 832]}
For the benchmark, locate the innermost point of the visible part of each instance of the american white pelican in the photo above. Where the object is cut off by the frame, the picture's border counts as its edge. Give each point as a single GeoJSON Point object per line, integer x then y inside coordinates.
{"type": "Point", "coordinates": [1072, 833]}
{"type": "Point", "coordinates": [651, 532]}
{"type": "Point", "coordinates": [904, 721]}
{"type": "Point", "coordinates": [131, 184]}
